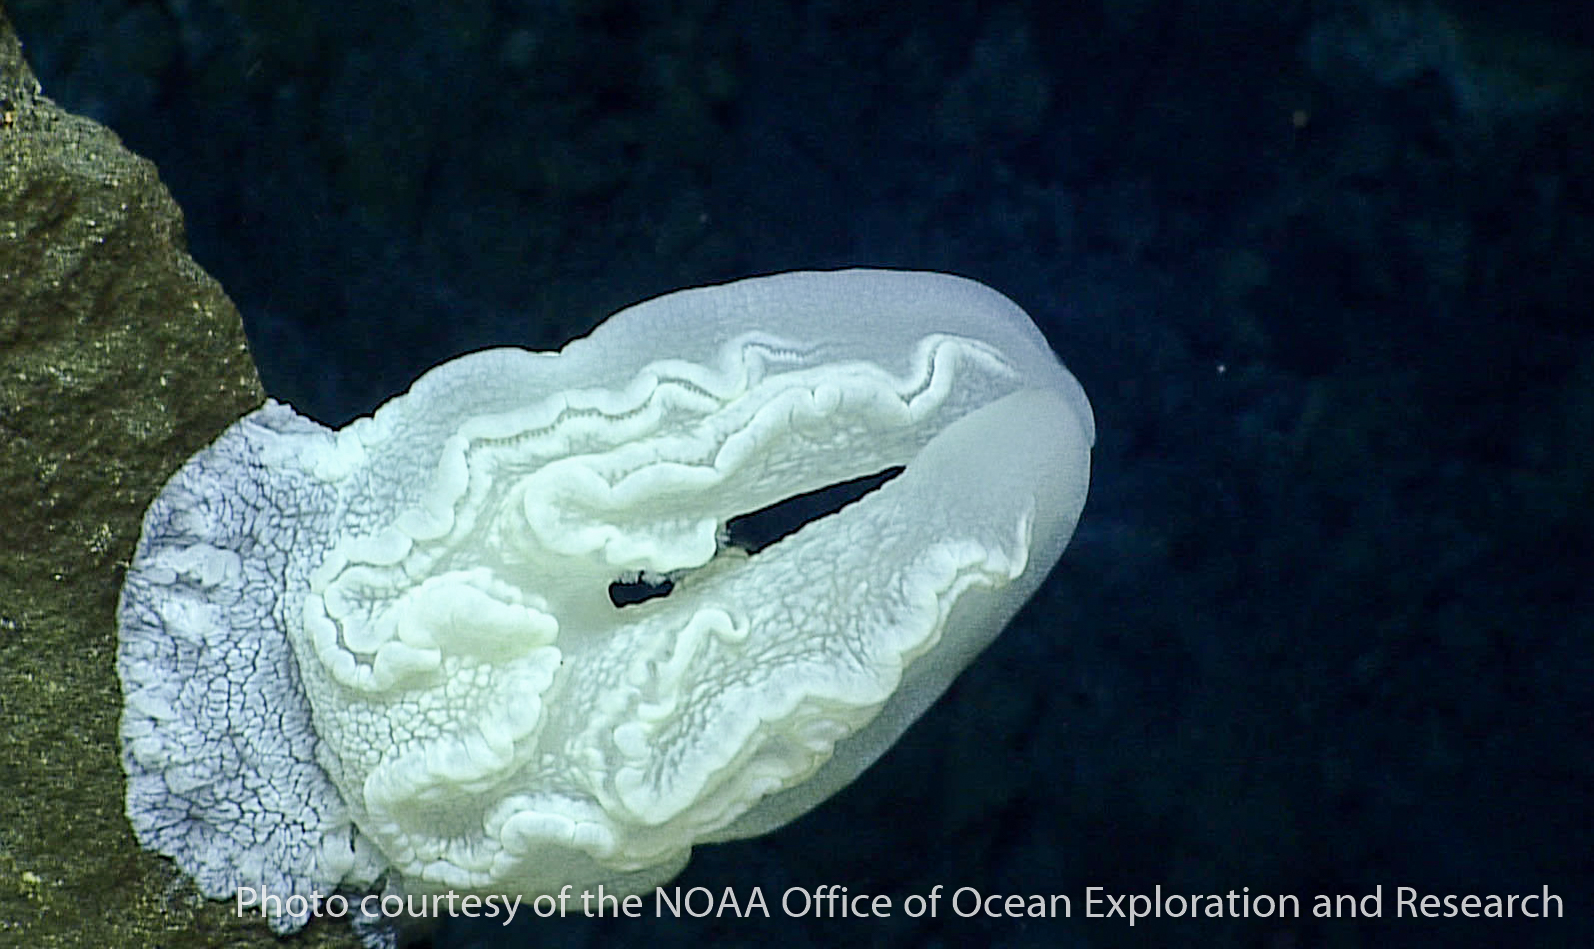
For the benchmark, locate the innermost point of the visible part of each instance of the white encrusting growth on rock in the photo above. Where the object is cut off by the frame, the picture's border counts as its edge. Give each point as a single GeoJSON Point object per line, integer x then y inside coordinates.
{"type": "Point", "coordinates": [390, 649]}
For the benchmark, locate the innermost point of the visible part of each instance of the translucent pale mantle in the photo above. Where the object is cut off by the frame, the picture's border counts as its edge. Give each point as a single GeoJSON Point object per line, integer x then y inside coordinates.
{"type": "Point", "coordinates": [390, 648]}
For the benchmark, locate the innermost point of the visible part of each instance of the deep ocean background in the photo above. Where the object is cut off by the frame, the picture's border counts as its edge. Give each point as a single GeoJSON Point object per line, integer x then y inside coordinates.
{"type": "Point", "coordinates": [1324, 269]}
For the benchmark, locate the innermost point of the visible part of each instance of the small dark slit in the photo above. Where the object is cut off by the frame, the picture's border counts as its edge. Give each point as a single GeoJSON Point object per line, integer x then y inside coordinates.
{"type": "Point", "coordinates": [640, 590]}
{"type": "Point", "coordinates": [754, 531]}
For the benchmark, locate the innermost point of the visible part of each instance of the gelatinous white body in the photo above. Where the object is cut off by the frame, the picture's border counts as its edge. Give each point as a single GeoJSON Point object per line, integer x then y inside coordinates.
{"type": "Point", "coordinates": [391, 648]}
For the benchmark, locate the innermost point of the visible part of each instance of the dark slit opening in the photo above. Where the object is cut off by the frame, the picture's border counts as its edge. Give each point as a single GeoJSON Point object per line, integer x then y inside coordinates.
{"type": "Point", "coordinates": [640, 590]}
{"type": "Point", "coordinates": [754, 531]}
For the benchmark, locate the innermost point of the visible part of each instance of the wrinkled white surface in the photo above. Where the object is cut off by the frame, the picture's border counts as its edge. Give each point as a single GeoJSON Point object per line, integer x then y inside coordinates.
{"type": "Point", "coordinates": [483, 718]}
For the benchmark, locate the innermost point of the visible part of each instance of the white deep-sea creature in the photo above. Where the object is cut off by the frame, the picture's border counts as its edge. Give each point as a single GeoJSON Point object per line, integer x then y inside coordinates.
{"type": "Point", "coordinates": [393, 650]}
